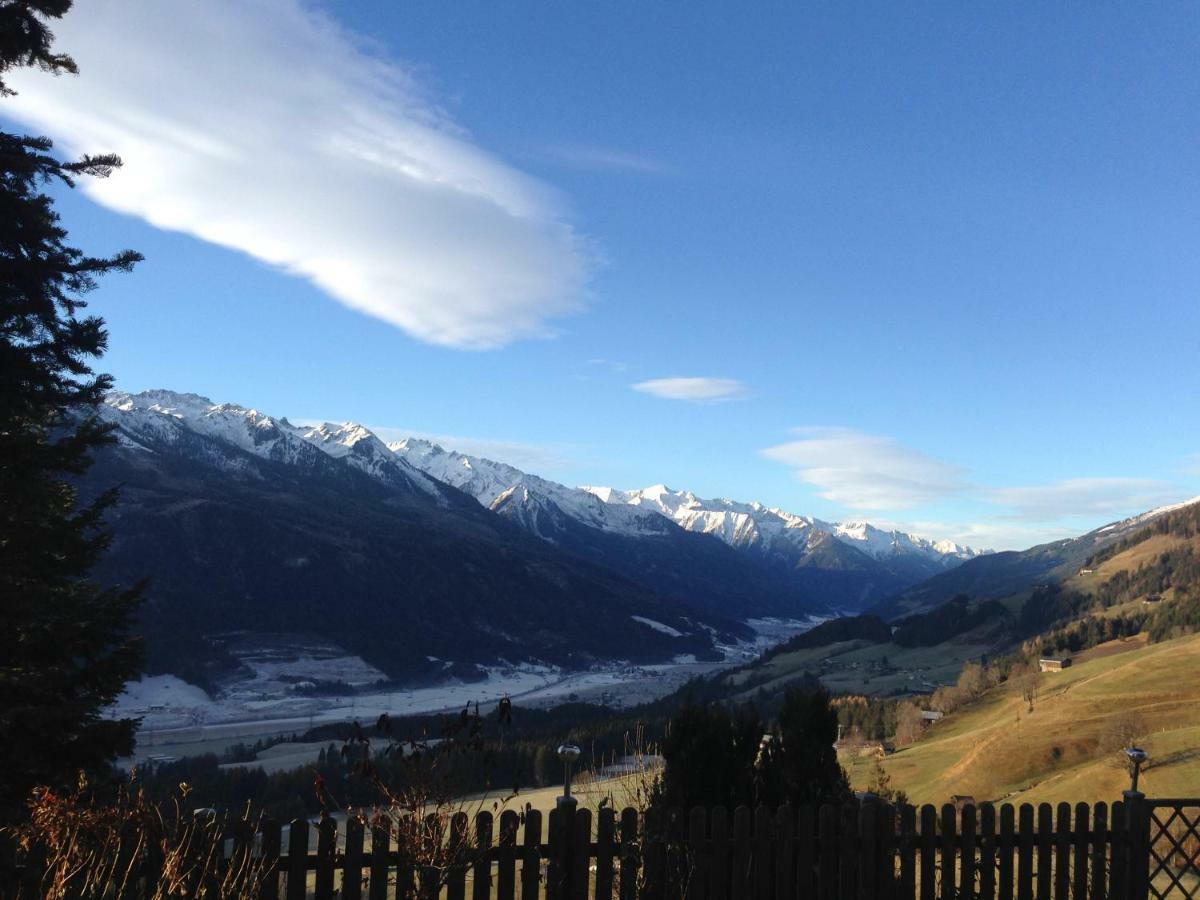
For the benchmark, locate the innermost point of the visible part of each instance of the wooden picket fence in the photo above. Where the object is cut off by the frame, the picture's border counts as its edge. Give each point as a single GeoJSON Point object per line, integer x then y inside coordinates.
{"type": "Point", "coordinates": [864, 850]}
{"type": "Point", "coordinates": [1137, 848]}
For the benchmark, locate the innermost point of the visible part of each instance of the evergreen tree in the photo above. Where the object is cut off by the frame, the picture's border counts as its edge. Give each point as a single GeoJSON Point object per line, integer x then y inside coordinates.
{"type": "Point", "coordinates": [804, 767]}
{"type": "Point", "coordinates": [66, 653]}
{"type": "Point", "coordinates": [710, 758]}
{"type": "Point", "coordinates": [714, 756]}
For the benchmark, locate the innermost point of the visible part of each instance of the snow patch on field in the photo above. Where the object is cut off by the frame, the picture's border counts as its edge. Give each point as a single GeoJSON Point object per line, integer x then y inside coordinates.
{"type": "Point", "coordinates": [658, 626]}
{"type": "Point", "coordinates": [160, 692]}
{"type": "Point", "coordinates": [181, 719]}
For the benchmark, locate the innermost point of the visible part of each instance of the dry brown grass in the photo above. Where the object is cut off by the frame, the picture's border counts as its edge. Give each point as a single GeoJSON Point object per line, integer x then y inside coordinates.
{"type": "Point", "coordinates": [995, 749]}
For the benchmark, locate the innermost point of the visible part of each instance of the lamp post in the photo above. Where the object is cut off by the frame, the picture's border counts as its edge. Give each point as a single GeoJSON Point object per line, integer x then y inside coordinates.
{"type": "Point", "coordinates": [568, 753]}
{"type": "Point", "coordinates": [1137, 825]}
{"type": "Point", "coordinates": [1136, 756]}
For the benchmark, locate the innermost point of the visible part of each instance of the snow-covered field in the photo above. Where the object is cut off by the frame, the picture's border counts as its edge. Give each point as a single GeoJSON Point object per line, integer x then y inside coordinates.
{"type": "Point", "coordinates": [181, 719]}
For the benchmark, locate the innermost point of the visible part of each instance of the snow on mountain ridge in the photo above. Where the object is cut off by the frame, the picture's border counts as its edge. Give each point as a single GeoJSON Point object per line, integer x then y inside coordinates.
{"type": "Point", "coordinates": [161, 414]}
{"type": "Point", "coordinates": [493, 484]}
{"type": "Point", "coordinates": [424, 465]}
{"type": "Point", "coordinates": [745, 524]}
{"type": "Point", "coordinates": [1133, 521]}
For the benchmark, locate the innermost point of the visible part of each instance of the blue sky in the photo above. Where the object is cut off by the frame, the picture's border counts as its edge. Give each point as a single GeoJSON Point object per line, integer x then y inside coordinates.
{"type": "Point", "coordinates": [931, 265]}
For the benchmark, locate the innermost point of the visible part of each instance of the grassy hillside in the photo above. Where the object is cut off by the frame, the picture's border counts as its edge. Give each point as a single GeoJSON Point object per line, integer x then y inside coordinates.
{"type": "Point", "coordinates": [1144, 686]}
{"type": "Point", "coordinates": [1068, 747]}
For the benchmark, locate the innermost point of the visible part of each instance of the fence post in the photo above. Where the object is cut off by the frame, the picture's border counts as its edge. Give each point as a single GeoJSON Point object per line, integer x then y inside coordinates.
{"type": "Point", "coordinates": [868, 841]}
{"type": "Point", "coordinates": [1137, 834]}
{"type": "Point", "coordinates": [297, 860]}
{"type": "Point", "coordinates": [562, 819]}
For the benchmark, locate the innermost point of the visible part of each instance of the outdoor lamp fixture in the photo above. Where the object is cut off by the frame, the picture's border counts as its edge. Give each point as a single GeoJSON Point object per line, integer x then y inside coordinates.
{"type": "Point", "coordinates": [568, 753]}
{"type": "Point", "coordinates": [1137, 756]}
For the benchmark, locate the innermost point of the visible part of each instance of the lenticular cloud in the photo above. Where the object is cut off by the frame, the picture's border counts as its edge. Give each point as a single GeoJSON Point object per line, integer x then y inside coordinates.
{"type": "Point", "coordinates": [261, 126]}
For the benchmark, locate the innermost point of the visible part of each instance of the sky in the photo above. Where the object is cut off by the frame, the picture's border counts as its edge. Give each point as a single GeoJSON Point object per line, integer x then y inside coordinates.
{"type": "Point", "coordinates": [932, 266]}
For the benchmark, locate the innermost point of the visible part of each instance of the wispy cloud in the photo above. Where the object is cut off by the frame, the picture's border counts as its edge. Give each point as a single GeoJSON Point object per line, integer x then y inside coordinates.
{"type": "Point", "coordinates": [584, 156]}
{"type": "Point", "coordinates": [993, 534]}
{"type": "Point", "coordinates": [866, 471]}
{"type": "Point", "coordinates": [694, 390]}
{"type": "Point", "coordinates": [260, 125]}
{"type": "Point", "coordinates": [876, 473]}
{"type": "Point", "coordinates": [1084, 497]}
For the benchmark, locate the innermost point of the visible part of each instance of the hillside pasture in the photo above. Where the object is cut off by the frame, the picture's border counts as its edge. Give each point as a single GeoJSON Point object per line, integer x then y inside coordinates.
{"type": "Point", "coordinates": [861, 667]}
{"type": "Point", "coordinates": [1068, 747]}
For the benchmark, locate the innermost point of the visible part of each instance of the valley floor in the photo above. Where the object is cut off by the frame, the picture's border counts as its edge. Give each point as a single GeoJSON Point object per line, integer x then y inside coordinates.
{"type": "Point", "coordinates": [179, 719]}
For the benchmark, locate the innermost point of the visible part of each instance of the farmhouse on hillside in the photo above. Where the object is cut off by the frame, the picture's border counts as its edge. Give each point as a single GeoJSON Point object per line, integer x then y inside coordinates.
{"type": "Point", "coordinates": [1054, 663]}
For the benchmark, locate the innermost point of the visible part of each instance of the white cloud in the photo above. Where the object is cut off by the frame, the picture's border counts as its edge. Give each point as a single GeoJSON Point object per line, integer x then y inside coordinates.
{"type": "Point", "coordinates": [865, 471]}
{"type": "Point", "coordinates": [583, 156]}
{"type": "Point", "coordinates": [994, 534]}
{"type": "Point", "coordinates": [260, 125]}
{"type": "Point", "coordinates": [1084, 497]}
{"type": "Point", "coordinates": [695, 390]}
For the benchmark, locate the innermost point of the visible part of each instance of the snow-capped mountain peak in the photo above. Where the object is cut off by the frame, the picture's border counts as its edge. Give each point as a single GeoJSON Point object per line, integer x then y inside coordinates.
{"type": "Point", "coordinates": [883, 559]}
{"type": "Point", "coordinates": [339, 440]}
{"type": "Point", "coordinates": [777, 532]}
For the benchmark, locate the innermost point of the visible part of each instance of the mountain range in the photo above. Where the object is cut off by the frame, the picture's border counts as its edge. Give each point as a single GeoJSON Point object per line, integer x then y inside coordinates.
{"type": "Point", "coordinates": [425, 561]}
{"type": "Point", "coordinates": [844, 566]}
{"type": "Point", "coordinates": [999, 575]}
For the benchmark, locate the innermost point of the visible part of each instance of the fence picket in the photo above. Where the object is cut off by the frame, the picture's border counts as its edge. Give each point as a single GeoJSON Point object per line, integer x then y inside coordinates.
{"type": "Point", "coordinates": [1025, 853]}
{"type": "Point", "coordinates": [580, 857]}
{"type": "Point", "coordinates": [654, 857]}
{"type": "Point", "coordinates": [271, 846]}
{"type": "Point", "coordinates": [697, 854]}
{"type": "Point", "coordinates": [531, 860]}
{"type": "Point", "coordinates": [352, 862]}
{"type": "Point", "coordinates": [949, 846]}
{"type": "Point", "coordinates": [1099, 837]}
{"type": "Point", "coordinates": [848, 853]}
{"type": "Point", "coordinates": [763, 887]}
{"type": "Point", "coordinates": [506, 868]}
{"type": "Point", "coordinates": [297, 860]}
{"type": "Point", "coordinates": [908, 853]}
{"type": "Point", "coordinates": [987, 852]}
{"type": "Point", "coordinates": [326, 848]}
{"type": "Point", "coordinates": [457, 850]}
{"type": "Point", "coordinates": [785, 853]}
{"type": "Point", "coordinates": [806, 855]}
{"type": "Point", "coordinates": [1082, 839]}
{"type": "Point", "coordinates": [481, 871]}
{"type": "Point", "coordinates": [741, 872]}
{"type": "Point", "coordinates": [885, 844]}
{"type": "Point", "coordinates": [868, 862]}
{"type": "Point", "coordinates": [928, 852]}
{"type": "Point", "coordinates": [966, 889]}
{"type": "Point", "coordinates": [606, 829]}
{"type": "Point", "coordinates": [1005, 850]}
{"type": "Point", "coordinates": [629, 854]}
{"type": "Point", "coordinates": [558, 825]}
{"type": "Point", "coordinates": [1119, 848]}
{"type": "Point", "coordinates": [827, 871]}
{"type": "Point", "coordinates": [718, 858]}
{"type": "Point", "coordinates": [1045, 850]}
{"type": "Point", "coordinates": [381, 838]}
{"type": "Point", "coordinates": [1062, 853]}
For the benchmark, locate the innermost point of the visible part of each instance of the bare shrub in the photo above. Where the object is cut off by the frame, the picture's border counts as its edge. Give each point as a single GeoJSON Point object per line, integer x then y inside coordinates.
{"type": "Point", "coordinates": [1122, 730]}
{"type": "Point", "coordinates": [75, 845]}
